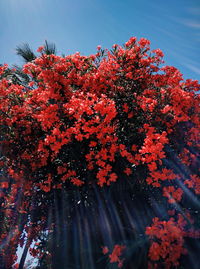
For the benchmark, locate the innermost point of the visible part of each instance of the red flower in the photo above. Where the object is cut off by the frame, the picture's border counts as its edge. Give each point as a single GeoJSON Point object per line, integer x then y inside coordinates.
{"type": "Point", "coordinates": [4, 185]}
{"type": "Point", "coordinates": [155, 251]}
{"type": "Point", "coordinates": [128, 171]}
{"type": "Point", "coordinates": [113, 177]}
{"type": "Point", "coordinates": [116, 254]}
{"type": "Point", "coordinates": [172, 194]}
{"type": "Point", "coordinates": [40, 49]}
{"type": "Point", "coordinates": [105, 250]}
{"type": "Point", "coordinates": [77, 182]}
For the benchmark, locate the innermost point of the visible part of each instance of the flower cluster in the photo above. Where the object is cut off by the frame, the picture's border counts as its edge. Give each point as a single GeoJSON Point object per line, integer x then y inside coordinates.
{"type": "Point", "coordinates": [116, 254]}
{"type": "Point", "coordinates": [168, 242]}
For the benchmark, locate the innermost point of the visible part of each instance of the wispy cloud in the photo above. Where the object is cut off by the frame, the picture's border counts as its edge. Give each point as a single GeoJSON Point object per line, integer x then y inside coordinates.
{"type": "Point", "coordinates": [194, 10]}
{"type": "Point", "coordinates": [192, 68]}
{"type": "Point", "coordinates": [192, 24]}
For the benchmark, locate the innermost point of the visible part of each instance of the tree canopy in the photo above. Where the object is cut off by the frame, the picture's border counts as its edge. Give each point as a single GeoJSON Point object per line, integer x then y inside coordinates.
{"type": "Point", "coordinates": [99, 129]}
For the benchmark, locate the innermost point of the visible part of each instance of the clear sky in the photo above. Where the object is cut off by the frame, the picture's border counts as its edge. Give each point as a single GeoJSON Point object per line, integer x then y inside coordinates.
{"type": "Point", "coordinates": [81, 25]}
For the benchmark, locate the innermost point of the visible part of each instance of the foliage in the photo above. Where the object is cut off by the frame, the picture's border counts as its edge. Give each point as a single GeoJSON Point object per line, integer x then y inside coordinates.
{"type": "Point", "coordinates": [90, 122]}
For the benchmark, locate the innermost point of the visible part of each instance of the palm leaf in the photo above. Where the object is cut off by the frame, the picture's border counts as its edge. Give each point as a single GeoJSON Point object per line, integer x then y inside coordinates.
{"type": "Point", "coordinates": [49, 48]}
{"type": "Point", "coordinates": [25, 52]}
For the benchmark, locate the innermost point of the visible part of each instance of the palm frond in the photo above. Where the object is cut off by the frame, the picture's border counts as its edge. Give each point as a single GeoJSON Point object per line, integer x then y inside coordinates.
{"type": "Point", "coordinates": [49, 48]}
{"type": "Point", "coordinates": [25, 52]}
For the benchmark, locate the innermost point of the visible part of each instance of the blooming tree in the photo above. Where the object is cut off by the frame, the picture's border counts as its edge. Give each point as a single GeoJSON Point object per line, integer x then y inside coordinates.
{"type": "Point", "coordinates": [99, 120]}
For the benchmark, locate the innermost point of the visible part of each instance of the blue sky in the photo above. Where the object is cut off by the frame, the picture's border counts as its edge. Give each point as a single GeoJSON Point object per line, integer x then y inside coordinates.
{"type": "Point", "coordinates": [173, 26]}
